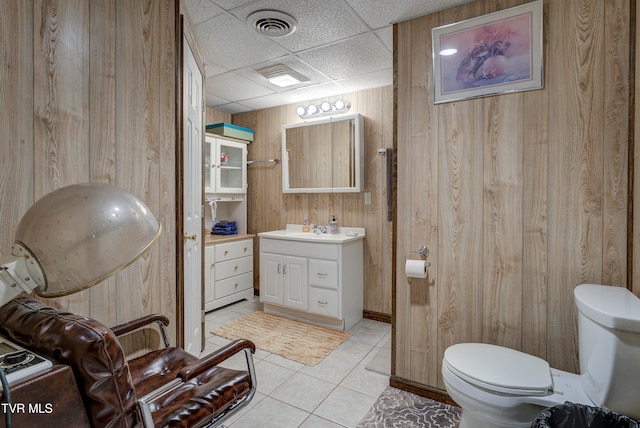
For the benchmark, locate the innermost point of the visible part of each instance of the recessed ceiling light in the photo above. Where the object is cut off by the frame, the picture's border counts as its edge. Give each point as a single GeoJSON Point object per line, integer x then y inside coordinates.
{"type": "Point", "coordinates": [281, 75]}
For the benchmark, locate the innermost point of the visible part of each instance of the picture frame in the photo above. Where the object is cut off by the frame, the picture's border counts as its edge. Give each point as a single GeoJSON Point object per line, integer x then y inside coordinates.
{"type": "Point", "coordinates": [497, 53]}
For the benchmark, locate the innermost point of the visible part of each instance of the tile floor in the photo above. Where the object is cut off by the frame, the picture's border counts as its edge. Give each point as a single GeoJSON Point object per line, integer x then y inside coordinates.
{"type": "Point", "coordinates": [337, 392]}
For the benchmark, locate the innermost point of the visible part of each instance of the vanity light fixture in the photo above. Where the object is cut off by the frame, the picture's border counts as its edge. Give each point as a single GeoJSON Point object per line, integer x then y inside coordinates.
{"type": "Point", "coordinates": [282, 76]}
{"type": "Point", "coordinates": [324, 109]}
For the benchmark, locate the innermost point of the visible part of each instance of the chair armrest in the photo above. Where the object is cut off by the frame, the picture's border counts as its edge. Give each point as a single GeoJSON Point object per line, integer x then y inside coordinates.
{"type": "Point", "coordinates": [212, 360]}
{"type": "Point", "coordinates": [130, 326]}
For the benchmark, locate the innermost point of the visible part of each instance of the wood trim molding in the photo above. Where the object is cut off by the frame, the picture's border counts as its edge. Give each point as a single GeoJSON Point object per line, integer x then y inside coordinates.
{"type": "Point", "coordinates": [376, 316]}
{"type": "Point", "coordinates": [421, 390]}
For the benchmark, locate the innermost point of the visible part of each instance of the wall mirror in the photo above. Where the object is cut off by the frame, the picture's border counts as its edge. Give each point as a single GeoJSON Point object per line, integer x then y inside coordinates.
{"type": "Point", "coordinates": [323, 156]}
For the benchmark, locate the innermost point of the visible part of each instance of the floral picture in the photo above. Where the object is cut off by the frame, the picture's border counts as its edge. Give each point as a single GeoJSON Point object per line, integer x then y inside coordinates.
{"type": "Point", "coordinates": [492, 54]}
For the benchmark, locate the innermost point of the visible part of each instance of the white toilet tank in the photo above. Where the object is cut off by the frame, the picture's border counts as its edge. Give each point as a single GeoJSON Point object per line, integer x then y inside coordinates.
{"type": "Point", "coordinates": [609, 346]}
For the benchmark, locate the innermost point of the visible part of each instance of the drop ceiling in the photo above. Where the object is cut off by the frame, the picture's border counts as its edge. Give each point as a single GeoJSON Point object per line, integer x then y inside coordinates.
{"type": "Point", "coordinates": [340, 46]}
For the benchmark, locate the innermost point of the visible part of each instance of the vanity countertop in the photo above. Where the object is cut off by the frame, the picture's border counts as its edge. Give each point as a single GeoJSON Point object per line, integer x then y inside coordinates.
{"type": "Point", "coordinates": [293, 232]}
{"type": "Point", "coordinates": [218, 239]}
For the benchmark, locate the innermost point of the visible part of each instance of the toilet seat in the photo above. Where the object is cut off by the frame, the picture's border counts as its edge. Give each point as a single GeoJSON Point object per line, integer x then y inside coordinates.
{"type": "Point", "coordinates": [499, 369]}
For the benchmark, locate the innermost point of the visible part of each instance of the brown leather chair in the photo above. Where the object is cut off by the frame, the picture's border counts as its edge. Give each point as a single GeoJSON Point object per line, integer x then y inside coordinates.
{"type": "Point", "coordinates": [163, 388]}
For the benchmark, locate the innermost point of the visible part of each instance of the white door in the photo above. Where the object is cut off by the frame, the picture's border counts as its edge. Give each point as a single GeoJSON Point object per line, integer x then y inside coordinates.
{"type": "Point", "coordinates": [192, 107]}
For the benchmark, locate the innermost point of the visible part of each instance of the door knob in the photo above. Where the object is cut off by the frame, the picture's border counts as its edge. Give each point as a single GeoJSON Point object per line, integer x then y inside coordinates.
{"type": "Point", "coordinates": [191, 236]}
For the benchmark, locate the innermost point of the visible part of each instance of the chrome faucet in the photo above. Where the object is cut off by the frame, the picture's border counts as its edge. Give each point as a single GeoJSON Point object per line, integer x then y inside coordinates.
{"type": "Point", "coordinates": [318, 229]}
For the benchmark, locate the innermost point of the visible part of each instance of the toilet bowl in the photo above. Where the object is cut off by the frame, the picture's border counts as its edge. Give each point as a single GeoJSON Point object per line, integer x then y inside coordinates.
{"type": "Point", "coordinates": [498, 387]}
{"type": "Point", "coordinates": [507, 388]}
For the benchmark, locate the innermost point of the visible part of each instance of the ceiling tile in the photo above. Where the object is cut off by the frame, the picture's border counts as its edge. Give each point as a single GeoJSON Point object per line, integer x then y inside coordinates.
{"type": "Point", "coordinates": [234, 87]}
{"type": "Point", "coordinates": [213, 100]}
{"type": "Point", "coordinates": [322, 90]}
{"type": "Point", "coordinates": [358, 55]}
{"type": "Point", "coordinates": [225, 41]}
{"type": "Point", "coordinates": [377, 14]}
{"type": "Point", "coordinates": [267, 101]}
{"type": "Point", "coordinates": [234, 108]}
{"type": "Point", "coordinates": [211, 69]}
{"type": "Point", "coordinates": [201, 10]}
{"type": "Point", "coordinates": [231, 4]}
{"type": "Point", "coordinates": [386, 35]}
{"type": "Point", "coordinates": [376, 79]}
{"type": "Point", "coordinates": [290, 61]}
{"type": "Point", "coordinates": [318, 24]}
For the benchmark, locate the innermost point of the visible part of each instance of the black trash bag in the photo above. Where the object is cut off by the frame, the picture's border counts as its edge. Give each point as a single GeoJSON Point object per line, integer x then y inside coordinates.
{"type": "Point", "coordinates": [570, 415]}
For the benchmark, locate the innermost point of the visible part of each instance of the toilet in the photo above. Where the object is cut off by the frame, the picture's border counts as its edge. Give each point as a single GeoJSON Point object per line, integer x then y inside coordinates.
{"type": "Point", "coordinates": [500, 387]}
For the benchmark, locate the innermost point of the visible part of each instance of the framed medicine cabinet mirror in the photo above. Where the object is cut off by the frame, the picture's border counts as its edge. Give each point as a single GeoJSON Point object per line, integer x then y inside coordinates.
{"type": "Point", "coordinates": [323, 156]}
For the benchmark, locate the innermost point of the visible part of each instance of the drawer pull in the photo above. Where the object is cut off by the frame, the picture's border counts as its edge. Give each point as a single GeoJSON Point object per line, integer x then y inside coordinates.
{"type": "Point", "coordinates": [226, 252]}
{"type": "Point", "coordinates": [321, 275]}
{"type": "Point", "coordinates": [322, 303]}
{"type": "Point", "coordinates": [245, 249]}
{"type": "Point", "coordinates": [235, 268]}
{"type": "Point", "coordinates": [235, 285]}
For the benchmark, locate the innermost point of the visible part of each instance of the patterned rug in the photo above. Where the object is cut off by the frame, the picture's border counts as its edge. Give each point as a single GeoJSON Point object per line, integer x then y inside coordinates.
{"type": "Point", "coordinates": [398, 408]}
{"type": "Point", "coordinates": [298, 341]}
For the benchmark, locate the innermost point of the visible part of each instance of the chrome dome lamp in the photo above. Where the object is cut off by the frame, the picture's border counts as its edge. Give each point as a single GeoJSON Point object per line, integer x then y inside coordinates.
{"type": "Point", "coordinates": [75, 237]}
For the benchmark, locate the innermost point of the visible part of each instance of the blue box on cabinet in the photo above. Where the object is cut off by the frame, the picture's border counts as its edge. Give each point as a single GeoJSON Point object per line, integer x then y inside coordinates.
{"type": "Point", "coordinates": [229, 130]}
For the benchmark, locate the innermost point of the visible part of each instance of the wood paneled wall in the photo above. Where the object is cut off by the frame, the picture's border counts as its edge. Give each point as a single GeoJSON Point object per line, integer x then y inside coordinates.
{"type": "Point", "coordinates": [87, 93]}
{"type": "Point", "coordinates": [270, 209]}
{"type": "Point", "coordinates": [520, 197]}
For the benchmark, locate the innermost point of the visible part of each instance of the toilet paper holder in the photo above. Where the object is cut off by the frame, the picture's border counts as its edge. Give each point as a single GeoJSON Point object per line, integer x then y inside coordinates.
{"type": "Point", "coordinates": [422, 251]}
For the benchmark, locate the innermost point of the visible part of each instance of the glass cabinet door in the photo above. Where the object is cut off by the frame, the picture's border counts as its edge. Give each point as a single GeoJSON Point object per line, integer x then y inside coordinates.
{"type": "Point", "coordinates": [209, 165]}
{"type": "Point", "coordinates": [231, 174]}
{"type": "Point", "coordinates": [225, 166]}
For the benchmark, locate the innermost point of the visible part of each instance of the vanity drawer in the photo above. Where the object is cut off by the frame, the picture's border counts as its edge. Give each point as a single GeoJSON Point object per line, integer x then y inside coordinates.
{"type": "Point", "coordinates": [233, 285]}
{"type": "Point", "coordinates": [323, 302]}
{"type": "Point", "coordinates": [323, 273]}
{"type": "Point", "coordinates": [233, 250]}
{"type": "Point", "coordinates": [233, 267]}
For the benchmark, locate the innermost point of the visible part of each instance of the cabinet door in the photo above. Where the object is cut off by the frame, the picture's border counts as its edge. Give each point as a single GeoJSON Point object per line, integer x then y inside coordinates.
{"type": "Point", "coordinates": [295, 284]}
{"type": "Point", "coordinates": [209, 164]}
{"type": "Point", "coordinates": [271, 278]}
{"type": "Point", "coordinates": [209, 272]}
{"type": "Point", "coordinates": [231, 171]}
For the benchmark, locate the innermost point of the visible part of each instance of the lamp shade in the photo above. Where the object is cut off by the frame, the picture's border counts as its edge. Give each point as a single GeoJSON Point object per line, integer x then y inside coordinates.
{"type": "Point", "coordinates": [81, 234]}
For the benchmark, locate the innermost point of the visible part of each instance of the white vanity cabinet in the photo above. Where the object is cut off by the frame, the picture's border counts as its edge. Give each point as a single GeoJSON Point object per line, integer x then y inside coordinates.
{"type": "Point", "coordinates": [228, 272]}
{"type": "Point", "coordinates": [316, 278]}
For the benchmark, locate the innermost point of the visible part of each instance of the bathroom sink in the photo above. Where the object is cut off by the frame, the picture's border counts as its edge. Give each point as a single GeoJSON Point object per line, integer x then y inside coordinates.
{"type": "Point", "coordinates": [295, 233]}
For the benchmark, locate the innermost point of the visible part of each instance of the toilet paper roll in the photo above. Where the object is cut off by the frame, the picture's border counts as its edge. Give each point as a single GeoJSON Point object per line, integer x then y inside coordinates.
{"type": "Point", "coordinates": [416, 268]}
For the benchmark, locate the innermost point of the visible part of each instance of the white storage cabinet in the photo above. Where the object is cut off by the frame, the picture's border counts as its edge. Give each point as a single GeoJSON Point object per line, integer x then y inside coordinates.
{"type": "Point", "coordinates": [318, 281]}
{"type": "Point", "coordinates": [228, 273]}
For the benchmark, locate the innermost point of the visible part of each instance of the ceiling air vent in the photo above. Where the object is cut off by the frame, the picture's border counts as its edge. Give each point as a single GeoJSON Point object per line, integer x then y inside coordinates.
{"type": "Point", "coordinates": [272, 23]}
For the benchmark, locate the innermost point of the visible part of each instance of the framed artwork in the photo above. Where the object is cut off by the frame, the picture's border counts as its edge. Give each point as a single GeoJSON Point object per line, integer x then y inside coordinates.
{"type": "Point", "coordinates": [492, 54]}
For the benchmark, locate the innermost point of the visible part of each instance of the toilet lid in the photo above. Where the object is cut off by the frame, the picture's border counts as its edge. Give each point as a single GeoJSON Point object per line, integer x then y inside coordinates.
{"type": "Point", "coordinates": [499, 369]}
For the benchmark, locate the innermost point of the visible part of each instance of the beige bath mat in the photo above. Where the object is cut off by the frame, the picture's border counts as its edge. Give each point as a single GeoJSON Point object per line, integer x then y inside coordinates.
{"type": "Point", "coordinates": [298, 341]}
